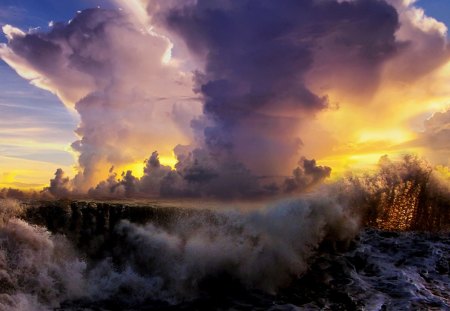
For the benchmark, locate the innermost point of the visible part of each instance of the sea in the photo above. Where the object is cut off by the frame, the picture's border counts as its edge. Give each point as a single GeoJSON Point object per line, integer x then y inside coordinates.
{"type": "Point", "coordinates": [292, 254]}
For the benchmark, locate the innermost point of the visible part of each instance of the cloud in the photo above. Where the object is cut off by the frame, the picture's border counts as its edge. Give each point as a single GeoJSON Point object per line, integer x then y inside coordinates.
{"type": "Point", "coordinates": [257, 55]}
{"type": "Point", "coordinates": [59, 186]}
{"type": "Point", "coordinates": [437, 131]}
{"type": "Point", "coordinates": [434, 139]}
{"type": "Point", "coordinates": [425, 43]}
{"type": "Point", "coordinates": [306, 175]}
{"type": "Point", "coordinates": [267, 76]}
{"type": "Point", "coordinates": [367, 122]}
{"type": "Point", "coordinates": [198, 175]}
{"type": "Point", "coordinates": [111, 72]}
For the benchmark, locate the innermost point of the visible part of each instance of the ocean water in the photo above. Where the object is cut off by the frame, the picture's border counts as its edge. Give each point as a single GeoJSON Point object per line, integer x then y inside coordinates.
{"type": "Point", "coordinates": [297, 254]}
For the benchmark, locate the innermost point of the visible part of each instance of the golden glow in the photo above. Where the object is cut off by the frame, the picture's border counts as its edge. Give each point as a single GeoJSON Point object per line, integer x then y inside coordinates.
{"type": "Point", "coordinates": [394, 135]}
{"type": "Point", "coordinates": [444, 171]}
{"type": "Point", "coordinates": [361, 162]}
{"type": "Point", "coordinates": [27, 174]}
{"type": "Point", "coordinates": [8, 177]}
{"type": "Point", "coordinates": [354, 134]}
{"type": "Point", "coordinates": [355, 163]}
{"type": "Point", "coordinates": [137, 168]}
{"type": "Point", "coordinates": [170, 160]}
{"type": "Point", "coordinates": [401, 206]}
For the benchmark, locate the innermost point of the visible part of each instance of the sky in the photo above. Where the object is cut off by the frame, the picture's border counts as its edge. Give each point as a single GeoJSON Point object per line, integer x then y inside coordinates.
{"type": "Point", "coordinates": [381, 90]}
{"type": "Point", "coordinates": [440, 9]}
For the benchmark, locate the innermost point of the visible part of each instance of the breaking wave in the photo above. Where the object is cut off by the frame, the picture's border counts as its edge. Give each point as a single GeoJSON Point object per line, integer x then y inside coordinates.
{"type": "Point", "coordinates": [167, 260]}
{"type": "Point", "coordinates": [38, 270]}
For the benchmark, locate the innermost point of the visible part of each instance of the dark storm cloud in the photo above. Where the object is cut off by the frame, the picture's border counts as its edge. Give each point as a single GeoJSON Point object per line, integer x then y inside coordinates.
{"type": "Point", "coordinates": [59, 186]}
{"type": "Point", "coordinates": [203, 174]}
{"type": "Point", "coordinates": [154, 174]}
{"type": "Point", "coordinates": [306, 175]}
{"type": "Point", "coordinates": [257, 55]}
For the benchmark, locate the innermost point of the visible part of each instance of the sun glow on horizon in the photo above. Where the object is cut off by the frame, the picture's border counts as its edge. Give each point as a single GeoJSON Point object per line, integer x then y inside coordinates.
{"type": "Point", "coordinates": [358, 163]}
{"type": "Point", "coordinates": [27, 174]}
{"type": "Point", "coordinates": [393, 136]}
{"type": "Point", "coordinates": [137, 168]}
{"type": "Point", "coordinates": [168, 160]}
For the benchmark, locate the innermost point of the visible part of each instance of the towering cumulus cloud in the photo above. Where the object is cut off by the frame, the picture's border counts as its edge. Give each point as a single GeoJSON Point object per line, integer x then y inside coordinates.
{"type": "Point", "coordinates": [119, 79]}
{"type": "Point", "coordinates": [236, 89]}
{"type": "Point", "coordinates": [257, 54]}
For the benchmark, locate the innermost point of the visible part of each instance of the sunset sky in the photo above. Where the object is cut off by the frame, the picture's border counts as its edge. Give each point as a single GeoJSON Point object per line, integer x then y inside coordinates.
{"type": "Point", "coordinates": [362, 102]}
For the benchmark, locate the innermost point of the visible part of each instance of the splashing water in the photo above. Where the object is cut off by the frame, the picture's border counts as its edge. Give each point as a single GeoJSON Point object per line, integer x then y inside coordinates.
{"type": "Point", "coordinates": [297, 253]}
